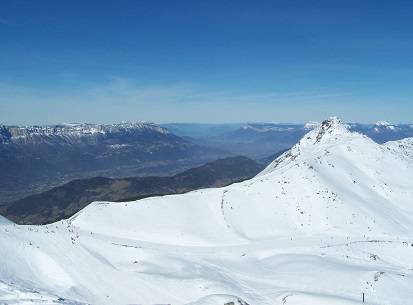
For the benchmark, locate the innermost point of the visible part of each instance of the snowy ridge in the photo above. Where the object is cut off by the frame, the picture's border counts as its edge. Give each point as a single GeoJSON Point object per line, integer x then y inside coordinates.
{"type": "Point", "coordinates": [403, 147]}
{"type": "Point", "coordinates": [81, 129]}
{"type": "Point", "coordinates": [382, 123]}
{"type": "Point", "coordinates": [311, 125]}
{"type": "Point", "coordinates": [327, 221]}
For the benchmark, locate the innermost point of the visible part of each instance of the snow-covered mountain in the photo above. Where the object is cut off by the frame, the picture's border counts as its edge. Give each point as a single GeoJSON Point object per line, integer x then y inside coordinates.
{"type": "Point", "coordinates": [73, 132]}
{"type": "Point", "coordinates": [258, 140]}
{"type": "Point", "coordinates": [327, 221]}
{"type": "Point", "coordinates": [383, 131]}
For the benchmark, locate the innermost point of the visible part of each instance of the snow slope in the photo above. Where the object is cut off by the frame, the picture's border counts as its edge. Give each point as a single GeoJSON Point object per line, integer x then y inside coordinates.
{"type": "Point", "coordinates": [327, 221]}
{"type": "Point", "coordinates": [404, 147]}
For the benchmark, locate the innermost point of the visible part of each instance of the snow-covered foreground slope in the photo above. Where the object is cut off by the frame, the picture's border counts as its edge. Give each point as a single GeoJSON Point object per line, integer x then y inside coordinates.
{"type": "Point", "coordinates": [326, 222]}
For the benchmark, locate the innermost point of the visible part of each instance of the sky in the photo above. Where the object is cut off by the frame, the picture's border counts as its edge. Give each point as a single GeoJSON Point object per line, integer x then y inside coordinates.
{"type": "Point", "coordinates": [205, 61]}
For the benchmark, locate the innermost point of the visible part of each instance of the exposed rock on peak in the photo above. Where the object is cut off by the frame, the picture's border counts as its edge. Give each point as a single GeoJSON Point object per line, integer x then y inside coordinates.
{"type": "Point", "coordinates": [331, 126]}
{"type": "Point", "coordinates": [329, 131]}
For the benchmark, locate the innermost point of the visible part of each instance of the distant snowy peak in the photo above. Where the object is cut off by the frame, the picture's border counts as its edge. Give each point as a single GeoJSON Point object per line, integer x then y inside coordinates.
{"type": "Point", "coordinates": [311, 125]}
{"type": "Point", "coordinates": [382, 123]}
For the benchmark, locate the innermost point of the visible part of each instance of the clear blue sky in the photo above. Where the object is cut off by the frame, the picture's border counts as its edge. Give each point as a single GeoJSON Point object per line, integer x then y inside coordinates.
{"type": "Point", "coordinates": [205, 61]}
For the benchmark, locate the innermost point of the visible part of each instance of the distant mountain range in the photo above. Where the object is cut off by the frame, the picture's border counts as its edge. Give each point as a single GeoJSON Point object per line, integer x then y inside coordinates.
{"type": "Point", "coordinates": [259, 140]}
{"type": "Point", "coordinates": [253, 140]}
{"type": "Point", "coordinates": [35, 158]}
{"type": "Point", "coordinates": [383, 131]}
{"type": "Point", "coordinates": [327, 222]}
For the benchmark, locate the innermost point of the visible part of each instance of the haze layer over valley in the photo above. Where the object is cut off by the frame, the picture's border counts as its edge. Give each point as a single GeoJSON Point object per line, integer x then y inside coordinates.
{"type": "Point", "coordinates": [324, 223]}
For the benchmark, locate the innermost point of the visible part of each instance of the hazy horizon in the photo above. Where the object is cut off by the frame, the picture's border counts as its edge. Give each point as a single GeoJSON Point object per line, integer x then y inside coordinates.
{"type": "Point", "coordinates": [205, 123]}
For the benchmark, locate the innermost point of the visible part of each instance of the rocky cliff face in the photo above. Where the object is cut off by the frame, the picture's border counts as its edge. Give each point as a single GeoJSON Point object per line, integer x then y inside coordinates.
{"type": "Point", "coordinates": [5, 134]}
{"type": "Point", "coordinates": [72, 133]}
